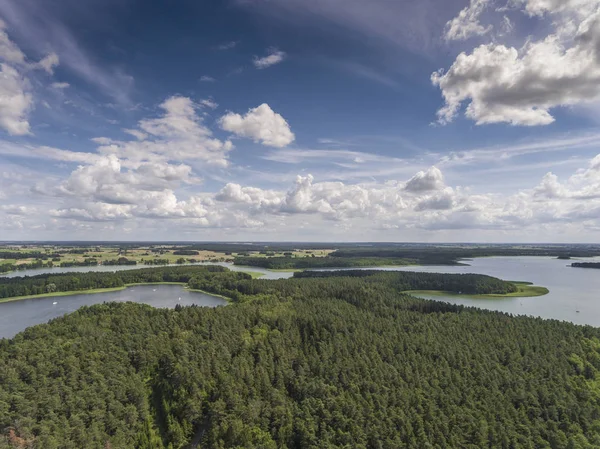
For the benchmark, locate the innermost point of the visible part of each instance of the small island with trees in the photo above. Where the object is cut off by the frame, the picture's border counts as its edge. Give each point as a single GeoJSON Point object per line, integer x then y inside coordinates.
{"type": "Point", "coordinates": [586, 265]}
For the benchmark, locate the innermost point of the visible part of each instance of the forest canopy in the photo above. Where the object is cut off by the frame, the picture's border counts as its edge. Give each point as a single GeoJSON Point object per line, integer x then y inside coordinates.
{"type": "Point", "coordinates": [334, 361]}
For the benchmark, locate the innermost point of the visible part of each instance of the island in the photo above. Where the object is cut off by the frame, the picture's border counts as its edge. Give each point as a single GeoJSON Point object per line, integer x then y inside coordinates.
{"type": "Point", "coordinates": [586, 265]}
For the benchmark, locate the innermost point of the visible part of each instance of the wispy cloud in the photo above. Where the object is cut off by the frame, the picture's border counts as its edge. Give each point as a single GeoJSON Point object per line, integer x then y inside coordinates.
{"type": "Point", "coordinates": [37, 24]}
{"type": "Point", "coordinates": [402, 23]}
{"type": "Point", "coordinates": [274, 57]}
{"type": "Point", "coordinates": [368, 73]}
{"type": "Point", "coordinates": [505, 152]}
{"type": "Point", "coordinates": [228, 45]}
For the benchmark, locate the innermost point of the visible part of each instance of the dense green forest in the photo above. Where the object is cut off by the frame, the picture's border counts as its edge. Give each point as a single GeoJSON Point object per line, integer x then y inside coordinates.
{"type": "Point", "coordinates": [217, 279]}
{"type": "Point", "coordinates": [7, 267]}
{"type": "Point", "coordinates": [405, 280]}
{"type": "Point", "coordinates": [335, 361]}
{"type": "Point", "coordinates": [585, 265]}
{"type": "Point", "coordinates": [287, 263]}
{"type": "Point", "coordinates": [66, 282]}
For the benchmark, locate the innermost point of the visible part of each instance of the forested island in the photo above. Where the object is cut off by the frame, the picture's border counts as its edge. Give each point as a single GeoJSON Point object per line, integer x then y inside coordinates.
{"type": "Point", "coordinates": [586, 265]}
{"type": "Point", "coordinates": [300, 263]}
{"type": "Point", "coordinates": [219, 280]}
{"type": "Point", "coordinates": [44, 284]}
{"type": "Point", "coordinates": [333, 360]}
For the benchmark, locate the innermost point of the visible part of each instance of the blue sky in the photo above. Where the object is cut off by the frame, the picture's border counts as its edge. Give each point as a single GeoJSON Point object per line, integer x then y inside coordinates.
{"type": "Point", "coordinates": [389, 120]}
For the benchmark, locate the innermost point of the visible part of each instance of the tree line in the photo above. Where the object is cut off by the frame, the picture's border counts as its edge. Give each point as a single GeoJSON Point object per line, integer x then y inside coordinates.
{"type": "Point", "coordinates": [66, 282]}
{"type": "Point", "coordinates": [585, 265]}
{"type": "Point", "coordinates": [287, 262]}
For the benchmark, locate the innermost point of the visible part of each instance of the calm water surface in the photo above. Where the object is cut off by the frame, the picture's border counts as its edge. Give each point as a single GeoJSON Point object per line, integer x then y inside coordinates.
{"type": "Point", "coordinates": [18, 315]}
{"type": "Point", "coordinates": [267, 274]}
{"type": "Point", "coordinates": [571, 290]}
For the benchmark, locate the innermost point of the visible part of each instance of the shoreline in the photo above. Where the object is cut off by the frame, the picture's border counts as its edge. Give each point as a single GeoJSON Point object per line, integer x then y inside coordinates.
{"type": "Point", "coordinates": [107, 290]}
{"type": "Point", "coordinates": [526, 290]}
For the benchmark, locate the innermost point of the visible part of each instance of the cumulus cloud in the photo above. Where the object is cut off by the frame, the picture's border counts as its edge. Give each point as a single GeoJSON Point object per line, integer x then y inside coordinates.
{"type": "Point", "coordinates": [442, 201]}
{"type": "Point", "coordinates": [108, 190]}
{"type": "Point", "coordinates": [274, 57]}
{"type": "Point", "coordinates": [424, 181]}
{"type": "Point", "coordinates": [503, 84]}
{"type": "Point", "coordinates": [177, 134]}
{"type": "Point", "coordinates": [260, 124]}
{"type": "Point", "coordinates": [466, 24]}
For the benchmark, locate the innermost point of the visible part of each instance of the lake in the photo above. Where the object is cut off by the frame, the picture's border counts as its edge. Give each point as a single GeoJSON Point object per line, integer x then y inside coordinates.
{"type": "Point", "coordinates": [16, 316]}
{"type": "Point", "coordinates": [267, 274]}
{"type": "Point", "coordinates": [571, 290]}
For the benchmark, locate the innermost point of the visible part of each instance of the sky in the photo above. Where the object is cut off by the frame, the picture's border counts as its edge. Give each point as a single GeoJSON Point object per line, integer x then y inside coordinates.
{"type": "Point", "coordinates": [300, 120]}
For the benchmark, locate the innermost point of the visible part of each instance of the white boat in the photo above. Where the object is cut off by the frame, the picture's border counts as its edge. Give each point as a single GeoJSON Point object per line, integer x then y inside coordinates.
{"type": "Point", "coordinates": [153, 289]}
{"type": "Point", "coordinates": [54, 303]}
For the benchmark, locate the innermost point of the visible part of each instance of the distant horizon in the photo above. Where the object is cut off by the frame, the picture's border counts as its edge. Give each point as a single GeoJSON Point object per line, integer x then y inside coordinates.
{"type": "Point", "coordinates": [303, 242]}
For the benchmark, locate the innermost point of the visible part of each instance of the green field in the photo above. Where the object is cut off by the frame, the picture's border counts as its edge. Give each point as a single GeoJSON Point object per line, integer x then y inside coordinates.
{"type": "Point", "coordinates": [525, 290]}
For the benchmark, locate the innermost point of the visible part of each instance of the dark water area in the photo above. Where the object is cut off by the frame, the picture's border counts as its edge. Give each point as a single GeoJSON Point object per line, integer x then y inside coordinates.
{"type": "Point", "coordinates": [16, 316]}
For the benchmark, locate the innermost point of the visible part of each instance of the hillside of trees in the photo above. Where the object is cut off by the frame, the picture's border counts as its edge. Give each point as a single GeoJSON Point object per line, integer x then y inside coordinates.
{"type": "Point", "coordinates": [340, 361]}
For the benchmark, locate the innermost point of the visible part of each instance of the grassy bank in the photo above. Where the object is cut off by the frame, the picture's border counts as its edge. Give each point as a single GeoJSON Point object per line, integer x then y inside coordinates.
{"type": "Point", "coordinates": [525, 290]}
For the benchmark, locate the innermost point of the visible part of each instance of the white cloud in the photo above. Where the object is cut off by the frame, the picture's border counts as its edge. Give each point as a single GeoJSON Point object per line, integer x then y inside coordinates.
{"type": "Point", "coordinates": [139, 135]}
{"type": "Point", "coordinates": [49, 62]}
{"type": "Point", "coordinates": [19, 210]}
{"type": "Point", "coordinates": [207, 79]}
{"type": "Point", "coordinates": [40, 27]}
{"type": "Point", "coordinates": [9, 51]}
{"type": "Point", "coordinates": [466, 24]}
{"type": "Point", "coordinates": [16, 92]}
{"type": "Point", "coordinates": [178, 134]}
{"type": "Point", "coordinates": [60, 85]}
{"type": "Point", "coordinates": [445, 200]}
{"type": "Point", "coordinates": [520, 86]}
{"type": "Point", "coordinates": [260, 124]}
{"type": "Point", "coordinates": [108, 189]}
{"type": "Point", "coordinates": [16, 101]}
{"type": "Point", "coordinates": [425, 181]}
{"type": "Point", "coordinates": [274, 57]}
{"type": "Point", "coordinates": [209, 103]}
